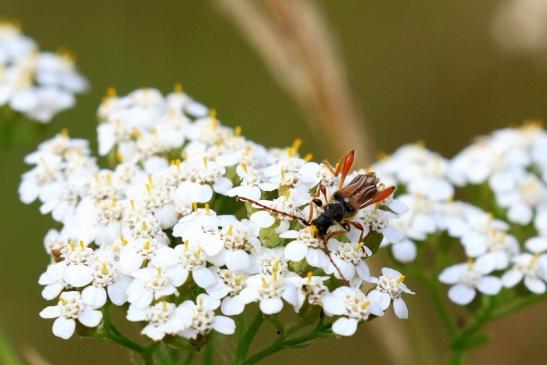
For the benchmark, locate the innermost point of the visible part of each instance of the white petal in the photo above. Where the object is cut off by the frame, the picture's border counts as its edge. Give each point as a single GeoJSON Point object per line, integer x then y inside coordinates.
{"type": "Point", "coordinates": [237, 260]}
{"type": "Point", "coordinates": [90, 317]}
{"type": "Point", "coordinates": [271, 306]}
{"type": "Point", "coordinates": [189, 192]}
{"type": "Point", "coordinates": [334, 305]}
{"type": "Point", "coordinates": [451, 275]}
{"type": "Point", "coordinates": [232, 306]}
{"type": "Point", "coordinates": [117, 291]}
{"type": "Point", "coordinates": [362, 270]}
{"type": "Point", "coordinates": [381, 299]}
{"type": "Point", "coordinates": [209, 302]}
{"type": "Point", "coordinates": [535, 285]}
{"type": "Point", "coordinates": [392, 234]}
{"type": "Point", "coordinates": [246, 191]}
{"type": "Point", "coordinates": [224, 325]}
{"type": "Point", "coordinates": [78, 275]}
{"type": "Point", "coordinates": [165, 256]}
{"type": "Point", "coordinates": [211, 244]}
{"type": "Point", "coordinates": [344, 326]}
{"type": "Point", "coordinates": [262, 219]}
{"type": "Point", "coordinates": [296, 250]}
{"type": "Point", "coordinates": [501, 182]}
{"type": "Point", "coordinates": [52, 291]}
{"type": "Point", "coordinates": [404, 251]}
{"type": "Point", "coordinates": [489, 285]}
{"type": "Point", "coordinates": [64, 328]}
{"type": "Point", "coordinates": [94, 297]}
{"type": "Point", "coordinates": [485, 264]}
{"type": "Point", "coordinates": [130, 261]}
{"type": "Point", "coordinates": [53, 311]}
{"type": "Point", "coordinates": [520, 213]}
{"type": "Point", "coordinates": [397, 206]}
{"type": "Point", "coordinates": [289, 234]}
{"type": "Point", "coordinates": [155, 333]}
{"type": "Point", "coordinates": [399, 306]}
{"type": "Point", "coordinates": [511, 278]}
{"type": "Point", "coordinates": [317, 258]}
{"type": "Point", "coordinates": [222, 185]}
{"type": "Point", "coordinates": [461, 294]}
{"type": "Point", "coordinates": [536, 244]}
{"type": "Point", "coordinates": [203, 277]}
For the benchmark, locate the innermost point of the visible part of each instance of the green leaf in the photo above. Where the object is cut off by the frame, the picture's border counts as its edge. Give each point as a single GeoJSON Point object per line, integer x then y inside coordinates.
{"type": "Point", "coordinates": [373, 241]}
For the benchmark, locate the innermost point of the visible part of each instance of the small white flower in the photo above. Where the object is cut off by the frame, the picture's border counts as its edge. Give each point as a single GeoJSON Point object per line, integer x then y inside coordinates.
{"type": "Point", "coordinates": [253, 183]}
{"type": "Point", "coordinates": [271, 289]}
{"type": "Point", "coordinates": [389, 287]}
{"type": "Point", "coordinates": [203, 319]}
{"type": "Point", "coordinates": [153, 283]}
{"type": "Point", "coordinates": [71, 307]}
{"type": "Point", "coordinates": [496, 244]}
{"type": "Point", "coordinates": [306, 246]}
{"type": "Point", "coordinates": [353, 307]}
{"type": "Point", "coordinates": [107, 282]}
{"type": "Point", "coordinates": [312, 290]}
{"type": "Point", "coordinates": [186, 259]}
{"type": "Point", "coordinates": [228, 287]}
{"type": "Point", "coordinates": [349, 259]}
{"type": "Point", "coordinates": [532, 268]}
{"type": "Point", "coordinates": [378, 220]}
{"type": "Point", "coordinates": [468, 277]}
{"type": "Point", "coordinates": [163, 318]}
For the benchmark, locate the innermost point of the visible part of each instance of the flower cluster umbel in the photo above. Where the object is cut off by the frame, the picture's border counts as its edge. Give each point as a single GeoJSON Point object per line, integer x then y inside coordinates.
{"type": "Point", "coordinates": [162, 233]}
{"type": "Point", "coordinates": [491, 198]}
{"type": "Point", "coordinates": [37, 84]}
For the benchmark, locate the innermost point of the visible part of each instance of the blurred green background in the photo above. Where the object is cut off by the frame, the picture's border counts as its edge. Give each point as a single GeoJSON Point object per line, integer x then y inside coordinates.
{"type": "Point", "coordinates": [420, 70]}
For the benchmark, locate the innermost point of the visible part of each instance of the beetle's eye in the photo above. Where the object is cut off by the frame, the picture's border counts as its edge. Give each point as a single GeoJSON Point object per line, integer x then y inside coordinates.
{"type": "Point", "coordinates": [317, 202]}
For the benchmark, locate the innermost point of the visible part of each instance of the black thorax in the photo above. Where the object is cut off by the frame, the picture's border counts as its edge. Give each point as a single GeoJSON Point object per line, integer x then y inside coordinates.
{"type": "Point", "coordinates": [333, 212]}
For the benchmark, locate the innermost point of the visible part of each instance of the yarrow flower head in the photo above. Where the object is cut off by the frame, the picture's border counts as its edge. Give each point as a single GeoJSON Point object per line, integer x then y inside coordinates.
{"type": "Point", "coordinates": [36, 84]}
{"type": "Point", "coordinates": [491, 199]}
{"type": "Point", "coordinates": [185, 223]}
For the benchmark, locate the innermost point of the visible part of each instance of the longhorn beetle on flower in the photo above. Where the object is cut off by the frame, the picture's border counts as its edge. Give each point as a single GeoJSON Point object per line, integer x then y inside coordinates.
{"type": "Point", "coordinates": [362, 191]}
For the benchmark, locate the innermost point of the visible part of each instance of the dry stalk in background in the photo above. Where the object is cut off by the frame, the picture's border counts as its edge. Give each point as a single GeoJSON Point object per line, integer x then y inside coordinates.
{"type": "Point", "coordinates": [33, 357]}
{"type": "Point", "coordinates": [294, 41]}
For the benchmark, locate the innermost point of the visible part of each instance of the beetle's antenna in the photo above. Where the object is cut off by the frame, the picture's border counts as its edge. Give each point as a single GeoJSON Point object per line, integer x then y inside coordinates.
{"type": "Point", "coordinates": [289, 215]}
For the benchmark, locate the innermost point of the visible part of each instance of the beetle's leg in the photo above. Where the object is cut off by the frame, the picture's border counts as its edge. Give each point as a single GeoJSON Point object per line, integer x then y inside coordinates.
{"type": "Point", "coordinates": [360, 227]}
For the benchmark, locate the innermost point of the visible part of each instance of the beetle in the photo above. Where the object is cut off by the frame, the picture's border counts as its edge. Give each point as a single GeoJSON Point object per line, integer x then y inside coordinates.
{"type": "Point", "coordinates": [362, 191]}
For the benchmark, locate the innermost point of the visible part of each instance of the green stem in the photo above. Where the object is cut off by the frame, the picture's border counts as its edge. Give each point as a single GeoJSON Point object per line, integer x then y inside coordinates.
{"type": "Point", "coordinates": [434, 291]}
{"type": "Point", "coordinates": [438, 302]}
{"type": "Point", "coordinates": [516, 305]}
{"type": "Point", "coordinates": [457, 357]}
{"type": "Point", "coordinates": [464, 340]}
{"type": "Point", "coordinates": [7, 354]}
{"type": "Point", "coordinates": [110, 332]}
{"type": "Point", "coordinates": [209, 355]}
{"type": "Point", "coordinates": [247, 338]}
{"type": "Point", "coordinates": [321, 330]}
{"type": "Point", "coordinates": [189, 358]}
{"type": "Point", "coordinates": [277, 324]}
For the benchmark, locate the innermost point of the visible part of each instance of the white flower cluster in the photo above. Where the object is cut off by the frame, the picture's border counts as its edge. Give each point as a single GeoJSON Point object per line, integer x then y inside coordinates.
{"type": "Point", "coordinates": [507, 171]}
{"type": "Point", "coordinates": [37, 84]}
{"type": "Point", "coordinates": [163, 234]}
